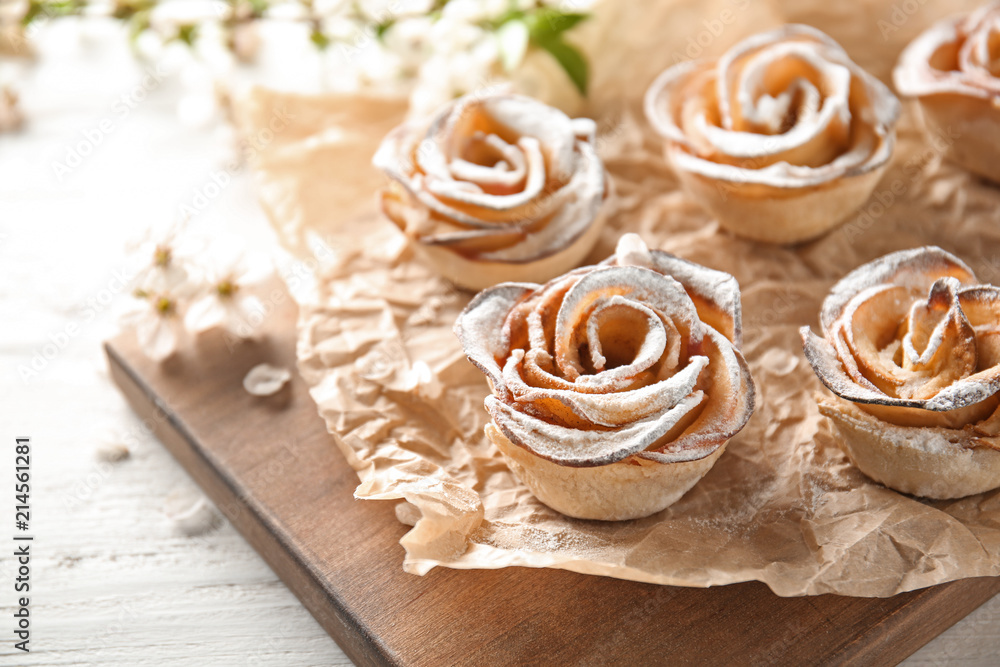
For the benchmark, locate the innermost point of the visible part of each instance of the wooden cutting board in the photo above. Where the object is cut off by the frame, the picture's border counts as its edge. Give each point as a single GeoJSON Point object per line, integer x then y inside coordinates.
{"type": "Point", "coordinates": [274, 471]}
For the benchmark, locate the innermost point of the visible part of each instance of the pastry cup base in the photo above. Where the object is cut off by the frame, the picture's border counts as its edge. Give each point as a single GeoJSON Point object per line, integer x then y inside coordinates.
{"type": "Point", "coordinates": [931, 462]}
{"type": "Point", "coordinates": [966, 130]}
{"type": "Point", "coordinates": [478, 274]}
{"type": "Point", "coordinates": [781, 215]}
{"type": "Point", "coordinates": [629, 489]}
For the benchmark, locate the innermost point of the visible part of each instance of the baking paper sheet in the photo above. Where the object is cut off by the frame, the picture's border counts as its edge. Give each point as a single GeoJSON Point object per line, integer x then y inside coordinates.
{"type": "Point", "coordinates": [782, 505]}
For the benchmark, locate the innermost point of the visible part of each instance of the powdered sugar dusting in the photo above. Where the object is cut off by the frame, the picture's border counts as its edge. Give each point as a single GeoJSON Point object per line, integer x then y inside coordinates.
{"type": "Point", "coordinates": [953, 383]}
{"type": "Point", "coordinates": [640, 370]}
{"type": "Point", "coordinates": [494, 197]}
{"type": "Point", "coordinates": [971, 38]}
{"type": "Point", "coordinates": [915, 269]}
{"type": "Point", "coordinates": [740, 120]}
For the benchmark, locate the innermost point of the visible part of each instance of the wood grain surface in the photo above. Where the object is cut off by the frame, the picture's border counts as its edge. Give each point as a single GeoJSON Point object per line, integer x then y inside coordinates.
{"type": "Point", "coordinates": [276, 474]}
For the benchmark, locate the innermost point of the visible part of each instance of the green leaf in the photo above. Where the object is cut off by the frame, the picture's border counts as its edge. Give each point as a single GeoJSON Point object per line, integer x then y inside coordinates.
{"type": "Point", "coordinates": [258, 7]}
{"type": "Point", "coordinates": [570, 59]}
{"type": "Point", "coordinates": [51, 9]}
{"type": "Point", "coordinates": [546, 26]}
{"type": "Point", "coordinates": [126, 9]}
{"type": "Point", "coordinates": [55, 8]}
{"type": "Point", "coordinates": [496, 23]}
{"type": "Point", "coordinates": [548, 23]}
{"type": "Point", "coordinates": [35, 10]}
{"type": "Point", "coordinates": [436, 9]}
{"type": "Point", "coordinates": [383, 27]}
{"type": "Point", "coordinates": [138, 23]}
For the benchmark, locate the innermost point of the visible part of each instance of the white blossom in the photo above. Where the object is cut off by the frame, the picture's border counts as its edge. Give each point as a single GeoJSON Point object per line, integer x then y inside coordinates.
{"type": "Point", "coordinates": [157, 321]}
{"type": "Point", "coordinates": [410, 39]}
{"type": "Point", "coordinates": [222, 302]}
{"type": "Point", "coordinates": [473, 11]}
{"type": "Point", "coordinates": [164, 269]}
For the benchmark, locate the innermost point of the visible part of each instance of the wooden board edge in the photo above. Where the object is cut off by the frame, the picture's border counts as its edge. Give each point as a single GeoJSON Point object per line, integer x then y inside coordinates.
{"type": "Point", "coordinates": [268, 540]}
{"type": "Point", "coordinates": [909, 628]}
{"type": "Point", "coordinates": [901, 633]}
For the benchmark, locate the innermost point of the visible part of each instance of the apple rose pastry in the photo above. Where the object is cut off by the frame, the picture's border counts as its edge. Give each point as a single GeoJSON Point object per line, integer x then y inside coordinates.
{"type": "Point", "coordinates": [496, 188]}
{"type": "Point", "coordinates": [911, 343]}
{"type": "Point", "coordinates": [952, 70]}
{"type": "Point", "coordinates": [615, 387]}
{"type": "Point", "coordinates": [781, 138]}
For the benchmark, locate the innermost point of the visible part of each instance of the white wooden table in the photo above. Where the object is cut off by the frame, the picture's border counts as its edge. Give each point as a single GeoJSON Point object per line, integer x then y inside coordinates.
{"type": "Point", "coordinates": [114, 580]}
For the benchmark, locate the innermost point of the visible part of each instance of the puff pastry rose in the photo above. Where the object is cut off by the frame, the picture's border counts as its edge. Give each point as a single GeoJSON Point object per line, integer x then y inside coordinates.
{"type": "Point", "coordinates": [781, 138]}
{"type": "Point", "coordinates": [495, 188]}
{"type": "Point", "coordinates": [615, 387]}
{"type": "Point", "coordinates": [911, 343]}
{"type": "Point", "coordinates": [952, 70]}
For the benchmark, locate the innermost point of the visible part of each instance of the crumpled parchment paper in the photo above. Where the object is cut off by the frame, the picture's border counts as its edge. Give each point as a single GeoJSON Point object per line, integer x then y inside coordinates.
{"type": "Point", "coordinates": [782, 505]}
